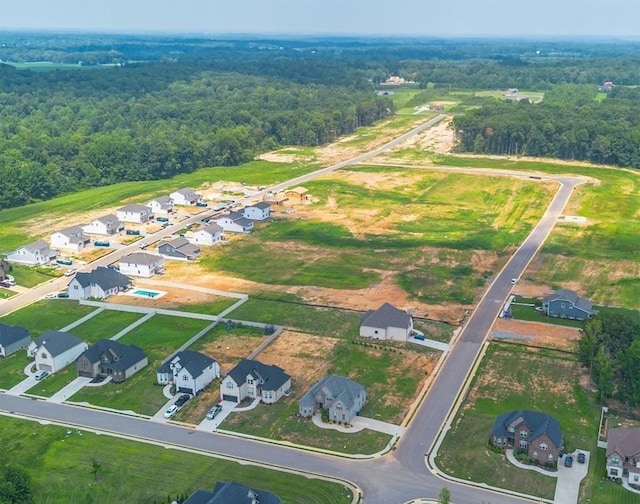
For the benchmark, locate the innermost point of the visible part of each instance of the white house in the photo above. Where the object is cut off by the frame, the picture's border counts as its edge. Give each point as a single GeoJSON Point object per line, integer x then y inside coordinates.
{"type": "Point", "coordinates": [162, 205]}
{"type": "Point", "coordinates": [235, 222]}
{"type": "Point", "coordinates": [258, 212]}
{"type": "Point", "coordinates": [253, 379]}
{"type": "Point", "coordinates": [208, 235]}
{"type": "Point", "coordinates": [71, 238]}
{"type": "Point", "coordinates": [99, 283]}
{"type": "Point", "coordinates": [135, 213]}
{"type": "Point", "coordinates": [387, 322]}
{"type": "Point", "coordinates": [185, 197]}
{"type": "Point", "coordinates": [33, 254]}
{"type": "Point", "coordinates": [190, 371]}
{"type": "Point", "coordinates": [141, 264]}
{"type": "Point", "coordinates": [107, 225]}
{"type": "Point", "coordinates": [55, 349]}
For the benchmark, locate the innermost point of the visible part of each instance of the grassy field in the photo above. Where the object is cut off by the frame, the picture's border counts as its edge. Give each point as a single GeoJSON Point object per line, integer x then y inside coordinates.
{"type": "Point", "coordinates": [26, 276]}
{"type": "Point", "coordinates": [105, 325]}
{"type": "Point", "coordinates": [47, 314]}
{"type": "Point", "coordinates": [12, 369]}
{"type": "Point", "coordinates": [13, 220]}
{"type": "Point", "coordinates": [60, 467]}
{"type": "Point", "coordinates": [529, 313]}
{"type": "Point", "coordinates": [55, 382]}
{"type": "Point", "coordinates": [158, 337]}
{"type": "Point", "coordinates": [213, 306]}
{"type": "Point", "coordinates": [6, 293]}
{"type": "Point", "coordinates": [509, 378]}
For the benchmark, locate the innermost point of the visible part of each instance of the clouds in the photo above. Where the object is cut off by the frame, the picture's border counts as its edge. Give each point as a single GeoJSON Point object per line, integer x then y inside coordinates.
{"type": "Point", "coordinates": [377, 17]}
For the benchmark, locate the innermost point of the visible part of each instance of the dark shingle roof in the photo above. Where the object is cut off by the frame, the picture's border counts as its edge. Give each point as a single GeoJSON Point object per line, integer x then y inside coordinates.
{"type": "Point", "coordinates": [127, 355]}
{"type": "Point", "coordinates": [106, 278]}
{"type": "Point", "coordinates": [182, 245]}
{"type": "Point", "coordinates": [570, 296]}
{"type": "Point", "coordinates": [624, 442]}
{"type": "Point", "coordinates": [339, 387]}
{"type": "Point", "coordinates": [194, 362]}
{"type": "Point", "coordinates": [539, 423]}
{"type": "Point", "coordinates": [11, 334]}
{"type": "Point", "coordinates": [57, 342]}
{"type": "Point", "coordinates": [270, 377]}
{"type": "Point", "coordinates": [387, 316]}
{"type": "Point", "coordinates": [261, 205]}
{"type": "Point", "coordinates": [235, 493]}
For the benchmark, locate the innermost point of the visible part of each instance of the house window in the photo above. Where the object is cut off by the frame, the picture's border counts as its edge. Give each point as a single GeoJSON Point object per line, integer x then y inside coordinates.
{"type": "Point", "coordinates": [613, 472]}
{"type": "Point", "coordinates": [535, 454]}
{"type": "Point", "coordinates": [375, 332]}
{"type": "Point", "coordinates": [523, 444]}
{"type": "Point", "coordinates": [615, 460]}
{"type": "Point", "coordinates": [562, 305]}
{"type": "Point", "coordinates": [229, 385]}
{"type": "Point", "coordinates": [339, 406]}
{"type": "Point", "coordinates": [43, 355]}
{"type": "Point", "coordinates": [250, 381]}
{"type": "Point", "coordinates": [544, 446]}
{"type": "Point", "coordinates": [185, 378]}
{"type": "Point", "coordinates": [523, 433]}
{"type": "Point", "coordinates": [250, 390]}
{"type": "Point", "coordinates": [635, 477]}
{"type": "Point", "coordinates": [550, 457]}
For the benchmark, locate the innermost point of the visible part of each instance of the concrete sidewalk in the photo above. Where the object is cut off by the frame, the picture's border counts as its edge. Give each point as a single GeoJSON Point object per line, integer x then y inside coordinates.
{"type": "Point", "coordinates": [64, 393]}
{"type": "Point", "coordinates": [359, 424]}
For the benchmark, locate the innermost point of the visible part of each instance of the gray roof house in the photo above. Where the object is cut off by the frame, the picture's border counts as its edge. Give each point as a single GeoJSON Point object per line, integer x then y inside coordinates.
{"type": "Point", "coordinates": [99, 283]}
{"type": "Point", "coordinates": [567, 304]}
{"type": "Point", "coordinates": [12, 339]}
{"type": "Point", "coordinates": [55, 349]}
{"type": "Point", "coordinates": [161, 205]}
{"type": "Point", "coordinates": [340, 395]}
{"type": "Point", "coordinates": [108, 358]}
{"type": "Point", "coordinates": [253, 379]}
{"type": "Point", "coordinates": [190, 371]}
{"type": "Point", "coordinates": [141, 264]}
{"type": "Point", "coordinates": [178, 248]}
{"type": "Point", "coordinates": [623, 455]}
{"type": "Point", "coordinates": [387, 322]}
{"type": "Point", "coordinates": [33, 254]}
{"type": "Point", "coordinates": [185, 196]}
{"type": "Point", "coordinates": [232, 493]}
{"type": "Point", "coordinates": [134, 213]}
{"type": "Point", "coordinates": [105, 225]}
{"type": "Point", "coordinates": [532, 432]}
{"type": "Point", "coordinates": [235, 222]}
{"type": "Point", "coordinates": [71, 238]}
{"type": "Point", "coordinates": [260, 211]}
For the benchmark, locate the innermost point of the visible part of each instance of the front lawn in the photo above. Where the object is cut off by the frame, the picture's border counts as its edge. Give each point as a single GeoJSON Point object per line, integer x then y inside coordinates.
{"type": "Point", "coordinates": [511, 378]}
{"type": "Point", "coordinates": [105, 325]}
{"type": "Point", "coordinates": [530, 314]}
{"type": "Point", "coordinates": [6, 293]}
{"type": "Point", "coordinates": [30, 276]}
{"type": "Point", "coordinates": [604, 491]}
{"type": "Point", "coordinates": [55, 382]}
{"type": "Point", "coordinates": [12, 369]}
{"type": "Point", "coordinates": [60, 465]}
{"type": "Point", "coordinates": [47, 314]}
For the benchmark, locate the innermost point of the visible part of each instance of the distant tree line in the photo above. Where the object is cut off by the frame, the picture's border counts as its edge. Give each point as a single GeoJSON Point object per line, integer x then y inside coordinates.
{"type": "Point", "coordinates": [63, 131]}
{"type": "Point", "coordinates": [610, 348]}
{"type": "Point", "coordinates": [568, 124]}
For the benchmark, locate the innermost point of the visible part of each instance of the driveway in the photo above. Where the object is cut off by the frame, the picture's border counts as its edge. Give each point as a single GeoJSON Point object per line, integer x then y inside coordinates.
{"type": "Point", "coordinates": [66, 392]}
{"type": "Point", "coordinates": [569, 478]}
{"type": "Point", "coordinates": [212, 425]}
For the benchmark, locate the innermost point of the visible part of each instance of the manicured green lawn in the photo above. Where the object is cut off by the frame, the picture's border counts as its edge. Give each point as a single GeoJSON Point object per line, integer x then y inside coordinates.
{"type": "Point", "coordinates": [26, 276]}
{"type": "Point", "coordinates": [55, 382]}
{"type": "Point", "coordinates": [12, 369]}
{"type": "Point", "coordinates": [158, 337]}
{"type": "Point", "coordinates": [279, 421]}
{"type": "Point", "coordinates": [105, 325]}
{"type": "Point", "coordinates": [6, 293]}
{"type": "Point", "coordinates": [323, 321]}
{"type": "Point", "coordinates": [47, 314]}
{"type": "Point", "coordinates": [529, 313]}
{"type": "Point", "coordinates": [510, 378]}
{"type": "Point", "coordinates": [214, 306]}
{"type": "Point", "coordinates": [604, 491]}
{"type": "Point", "coordinates": [60, 466]}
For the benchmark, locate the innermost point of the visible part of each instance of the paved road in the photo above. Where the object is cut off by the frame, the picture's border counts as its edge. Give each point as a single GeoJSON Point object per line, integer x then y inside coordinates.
{"type": "Point", "coordinates": [395, 478]}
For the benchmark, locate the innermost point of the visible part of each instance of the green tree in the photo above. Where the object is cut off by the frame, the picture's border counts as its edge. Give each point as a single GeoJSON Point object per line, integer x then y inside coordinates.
{"type": "Point", "coordinates": [15, 486]}
{"type": "Point", "coordinates": [445, 496]}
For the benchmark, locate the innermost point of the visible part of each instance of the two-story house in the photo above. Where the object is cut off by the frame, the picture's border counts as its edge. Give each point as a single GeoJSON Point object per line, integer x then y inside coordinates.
{"type": "Point", "coordinates": [162, 205]}
{"type": "Point", "coordinates": [341, 396]}
{"type": "Point", "coordinates": [178, 248]}
{"type": "Point", "coordinates": [138, 214]}
{"type": "Point", "coordinates": [189, 371]}
{"type": "Point", "coordinates": [387, 322]}
{"type": "Point", "coordinates": [108, 358]}
{"type": "Point", "coordinates": [71, 238]}
{"type": "Point", "coordinates": [253, 379]}
{"type": "Point", "coordinates": [105, 225]}
{"type": "Point", "coordinates": [185, 197]}
{"type": "Point", "coordinates": [258, 212]}
{"type": "Point", "coordinates": [33, 254]}
{"type": "Point", "coordinates": [235, 222]}
{"type": "Point", "coordinates": [141, 264]}
{"type": "Point", "coordinates": [54, 350]}
{"type": "Point", "coordinates": [623, 455]}
{"type": "Point", "coordinates": [567, 304]}
{"type": "Point", "coordinates": [208, 235]}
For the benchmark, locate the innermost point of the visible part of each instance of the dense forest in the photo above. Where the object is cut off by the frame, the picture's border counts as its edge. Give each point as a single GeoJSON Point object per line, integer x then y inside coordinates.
{"type": "Point", "coordinates": [570, 123]}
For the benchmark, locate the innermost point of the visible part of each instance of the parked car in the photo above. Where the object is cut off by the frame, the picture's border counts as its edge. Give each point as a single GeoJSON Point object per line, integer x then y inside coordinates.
{"type": "Point", "coordinates": [143, 244]}
{"type": "Point", "coordinates": [63, 295]}
{"type": "Point", "coordinates": [419, 335]}
{"type": "Point", "coordinates": [69, 272]}
{"type": "Point", "coordinates": [171, 410]}
{"type": "Point", "coordinates": [182, 400]}
{"type": "Point", "coordinates": [581, 458]}
{"type": "Point", "coordinates": [568, 461]}
{"type": "Point", "coordinates": [41, 375]}
{"type": "Point", "coordinates": [51, 295]}
{"type": "Point", "coordinates": [212, 413]}
{"type": "Point", "coordinates": [514, 281]}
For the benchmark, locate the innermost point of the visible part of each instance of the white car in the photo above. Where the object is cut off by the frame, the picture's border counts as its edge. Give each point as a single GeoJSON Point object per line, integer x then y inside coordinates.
{"type": "Point", "coordinates": [41, 375]}
{"type": "Point", "coordinates": [171, 410]}
{"type": "Point", "coordinates": [51, 295]}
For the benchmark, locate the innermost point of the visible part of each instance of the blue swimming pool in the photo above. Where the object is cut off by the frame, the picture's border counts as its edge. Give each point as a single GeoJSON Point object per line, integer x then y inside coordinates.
{"type": "Point", "coordinates": [146, 293]}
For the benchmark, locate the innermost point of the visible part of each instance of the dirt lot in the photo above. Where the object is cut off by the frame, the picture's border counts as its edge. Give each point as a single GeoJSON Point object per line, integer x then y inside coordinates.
{"type": "Point", "coordinates": [538, 334]}
{"type": "Point", "coordinates": [174, 298]}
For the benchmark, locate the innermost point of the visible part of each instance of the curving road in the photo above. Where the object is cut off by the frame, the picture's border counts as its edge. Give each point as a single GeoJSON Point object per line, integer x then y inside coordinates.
{"type": "Point", "coordinates": [395, 478]}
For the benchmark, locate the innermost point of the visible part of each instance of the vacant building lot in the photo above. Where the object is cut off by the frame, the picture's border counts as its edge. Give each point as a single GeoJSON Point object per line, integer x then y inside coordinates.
{"type": "Point", "coordinates": [513, 377]}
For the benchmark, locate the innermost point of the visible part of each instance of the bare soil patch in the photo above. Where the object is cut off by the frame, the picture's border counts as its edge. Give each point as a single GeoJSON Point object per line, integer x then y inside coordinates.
{"type": "Point", "coordinates": [173, 298]}
{"type": "Point", "coordinates": [229, 349]}
{"type": "Point", "coordinates": [540, 334]}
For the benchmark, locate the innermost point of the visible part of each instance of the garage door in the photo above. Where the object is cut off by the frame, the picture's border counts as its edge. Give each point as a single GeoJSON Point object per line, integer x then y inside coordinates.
{"type": "Point", "coordinates": [44, 367]}
{"type": "Point", "coordinates": [231, 398]}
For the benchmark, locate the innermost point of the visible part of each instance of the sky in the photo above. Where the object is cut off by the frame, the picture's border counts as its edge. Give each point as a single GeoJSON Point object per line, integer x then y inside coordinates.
{"type": "Point", "coordinates": [495, 18]}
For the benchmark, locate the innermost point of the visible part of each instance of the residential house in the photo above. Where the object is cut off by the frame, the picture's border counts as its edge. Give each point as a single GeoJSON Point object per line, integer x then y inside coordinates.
{"type": "Point", "coordinates": [190, 371]}
{"type": "Point", "coordinates": [33, 254]}
{"type": "Point", "coordinates": [162, 205]}
{"type": "Point", "coordinates": [258, 212]}
{"type": "Point", "coordinates": [185, 197]}
{"type": "Point", "coordinates": [99, 283]}
{"type": "Point", "coordinates": [208, 235]}
{"type": "Point", "coordinates": [387, 322]}
{"type": "Point", "coordinates": [567, 304]}
{"type": "Point", "coordinates": [341, 396]}
{"type": "Point", "coordinates": [138, 214]}
{"type": "Point", "coordinates": [235, 222]}
{"type": "Point", "coordinates": [623, 455]}
{"type": "Point", "coordinates": [232, 493]}
{"type": "Point", "coordinates": [71, 238]}
{"type": "Point", "coordinates": [108, 358]}
{"type": "Point", "coordinates": [141, 264]}
{"type": "Point", "coordinates": [253, 379]}
{"type": "Point", "coordinates": [12, 339]}
{"type": "Point", "coordinates": [178, 248]}
{"type": "Point", "coordinates": [297, 195]}
{"type": "Point", "coordinates": [106, 225]}
{"type": "Point", "coordinates": [532, 432]}
{"type": "Point", "coordinates": [55, 349]}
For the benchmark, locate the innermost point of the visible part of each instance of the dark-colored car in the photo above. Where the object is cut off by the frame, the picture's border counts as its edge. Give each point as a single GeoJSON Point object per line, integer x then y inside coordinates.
{"type": "Point", "coordinates": [568, 461]}
{"type": "Point", "coordinates": [182, 400]}
{"type": "Point", "coordinates": [581, 458]}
